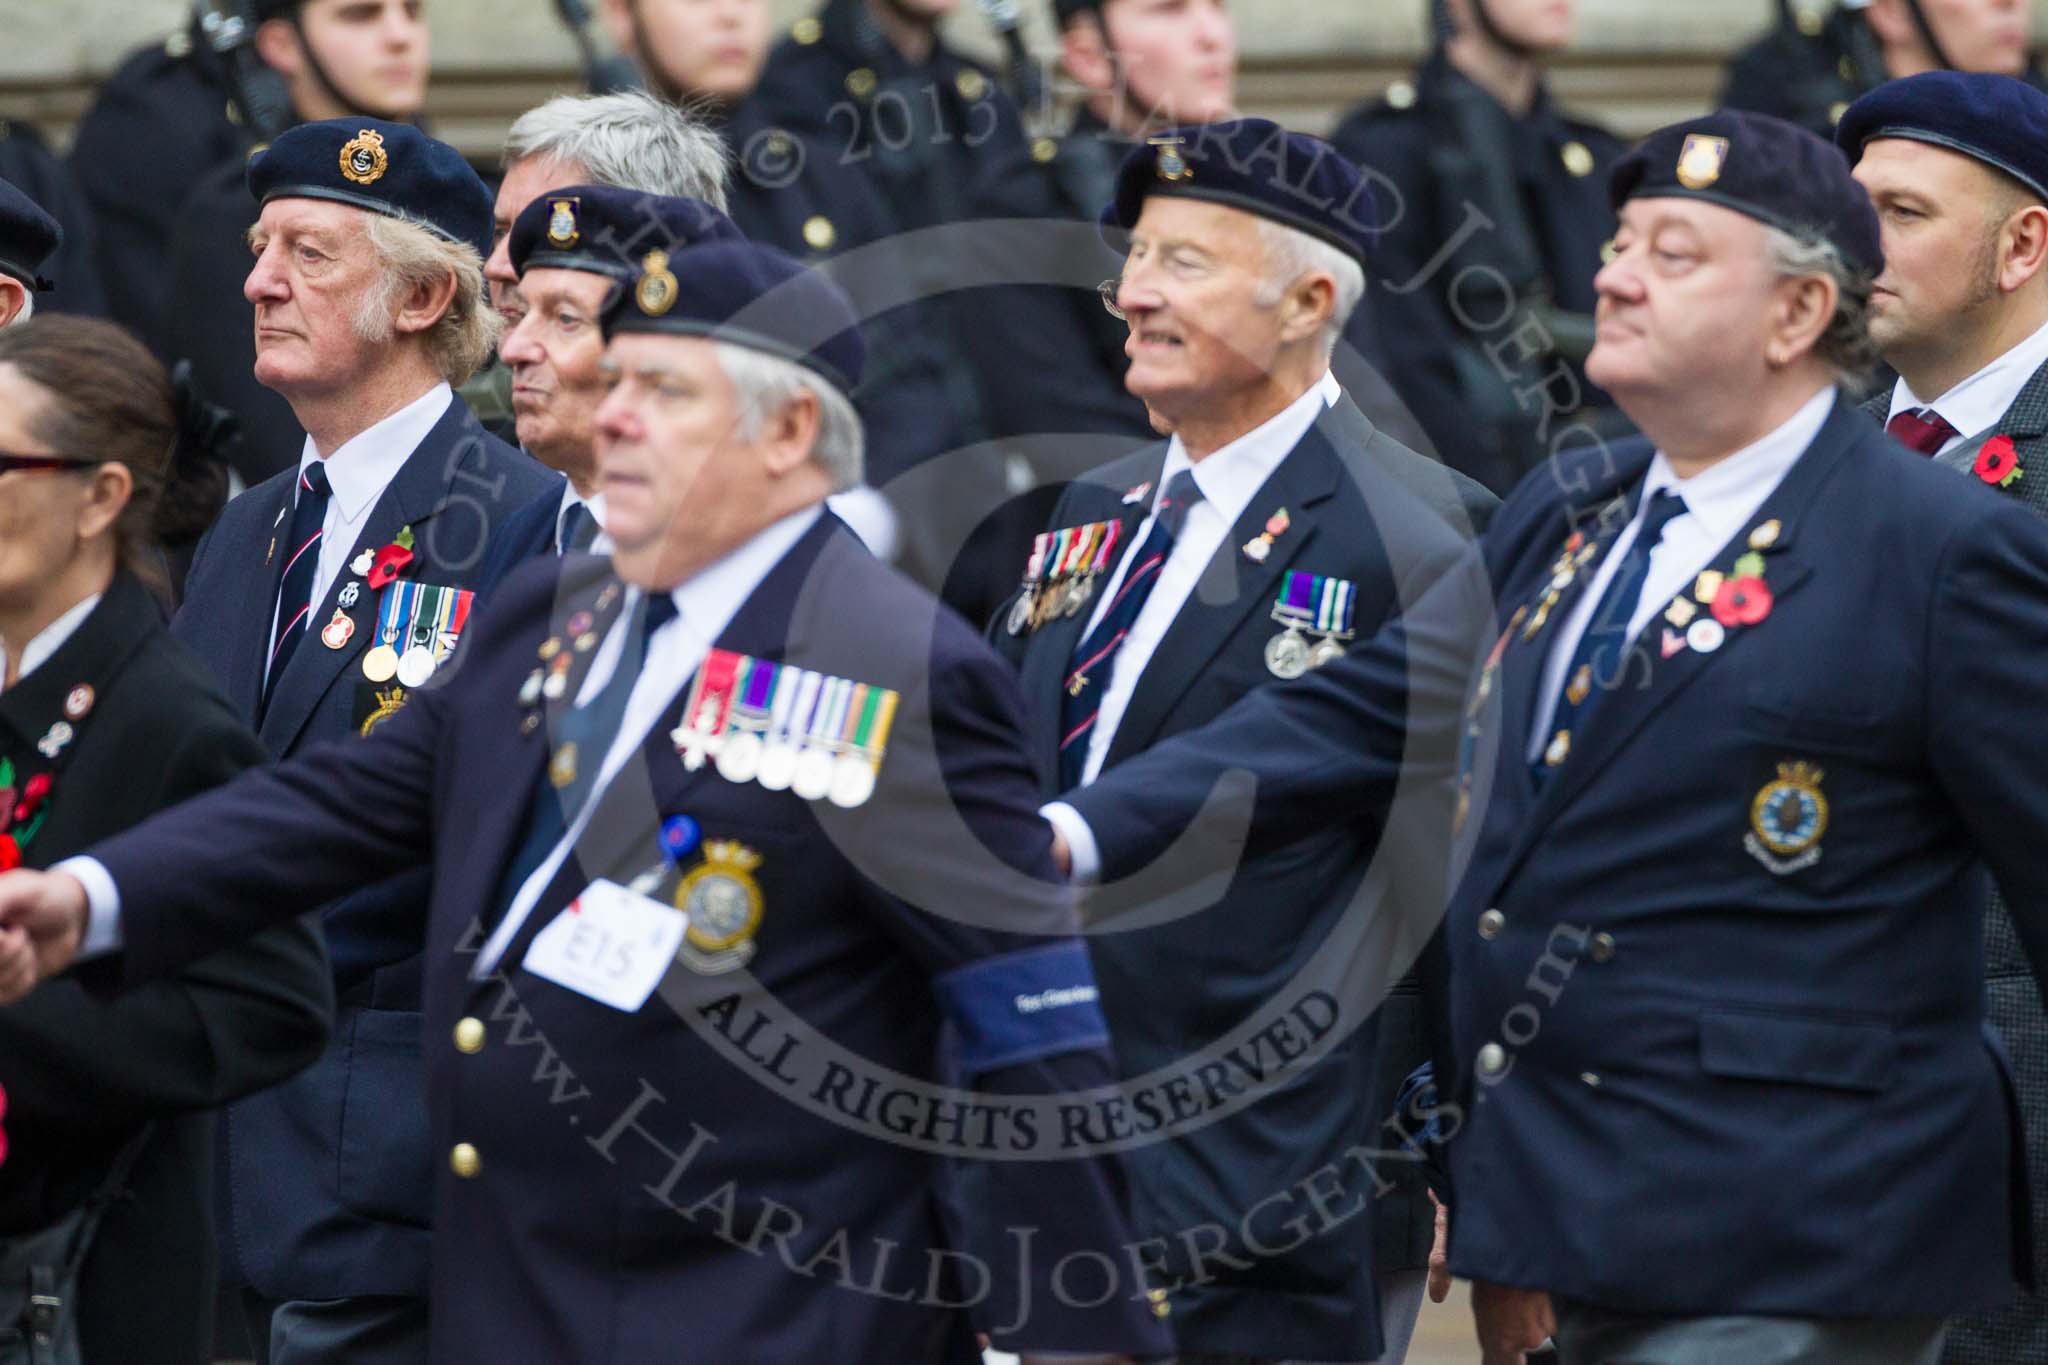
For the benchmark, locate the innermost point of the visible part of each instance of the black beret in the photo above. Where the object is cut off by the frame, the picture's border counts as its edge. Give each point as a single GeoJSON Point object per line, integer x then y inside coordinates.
{"type": "Point", "coordinates": [1256, 165]}
{"type": "Point", "coordinates": [388, 168]}
{"type": "Point", "coordinates": [1066, 10]}
{"type": "Point", "coordinates": [609, 231]}
{"type": "Point", "coordinates": [750, 295]}
{"type": "Point", "coordinates": [1764, 167]}
{"type": "Point", "coordinates": [1998, 120]}
{"type": "Point", "coordinates": [27, 237]}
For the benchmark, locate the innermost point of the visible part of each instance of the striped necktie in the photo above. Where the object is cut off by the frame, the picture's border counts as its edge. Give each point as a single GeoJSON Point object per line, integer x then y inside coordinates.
{"type": "Point", "coordinates": [1088, 673]}
{"type": "Point", "coordinates": [295, 588]}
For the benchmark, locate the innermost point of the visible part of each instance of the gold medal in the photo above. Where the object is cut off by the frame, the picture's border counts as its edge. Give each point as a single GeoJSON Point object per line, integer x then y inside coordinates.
{"type": "Point", "coordinates": [380, 665]}
{"type": "Point", "coordinates": [562, 767]}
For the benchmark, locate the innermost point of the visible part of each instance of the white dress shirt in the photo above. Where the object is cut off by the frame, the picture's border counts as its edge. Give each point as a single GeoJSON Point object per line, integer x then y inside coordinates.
{"type": "Point", "coordinates": [358, 472]}
{"type": "Point", "coordinates": [1977, 404]}
{"type": "Point", "coordinates": [705, 605]}
{"type": "Point", "coordinates": [48, 640]}
{"type": "Point", "coordinates": [1719, 502]}
{"type": "Point", "coordinates": [601, 543]}
{"type": "Point", "coordinates": [1229, 477]}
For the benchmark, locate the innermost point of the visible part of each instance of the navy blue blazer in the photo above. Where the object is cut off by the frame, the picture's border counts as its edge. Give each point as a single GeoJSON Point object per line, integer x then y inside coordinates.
{"type": "Point", "coordinates": [327, 1175]}
{"type": "Point", "coordinates": [1363, 508]}
{"type": "Point", "coordinates": [593, 1129]}
{"type": "Point", "coordinates": [526, 533]}
{"type": "Point", "coordinates": [1692, 1071]}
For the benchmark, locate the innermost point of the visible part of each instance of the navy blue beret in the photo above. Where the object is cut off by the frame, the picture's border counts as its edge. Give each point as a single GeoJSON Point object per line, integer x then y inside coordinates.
{"type": "Point", "coordinates": [1998, 120]}
{"type": "Point", "coordinates": [1764, 167]}
{"type": "Point", "coordinates": [27, 237]}
{"type": "Point", "coordinates": [750, 295]}
{"type": "Point", "coordinates": [608, 230]}
{"type": "Point", "coordinates": [1256, 165]}
{"type": "Point", "coordinates": [388, 168]}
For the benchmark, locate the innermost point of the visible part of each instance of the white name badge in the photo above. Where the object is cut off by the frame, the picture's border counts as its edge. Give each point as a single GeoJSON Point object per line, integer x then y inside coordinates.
{"type": "Point", "coordinates": [610, 944]}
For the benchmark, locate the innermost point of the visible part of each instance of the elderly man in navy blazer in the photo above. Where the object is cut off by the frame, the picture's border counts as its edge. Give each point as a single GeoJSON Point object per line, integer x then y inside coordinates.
{"type": "Point", "coordinates": [754, 770]}
{"type": "Point", "coordinates": [1731, 714]}
{"type": "Point", "coordinates": [323, 598]}
{"type": "Point", "coordinates": [1274, 527]}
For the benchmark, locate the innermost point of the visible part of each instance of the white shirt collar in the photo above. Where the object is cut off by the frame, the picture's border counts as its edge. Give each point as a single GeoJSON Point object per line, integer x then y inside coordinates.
{"type": "Point", "coordinates": [1725, 495]}
{"type": "Point", "coordinates": [48, 640]}
{"type": "Point", "coordinates": [1981, 401]}
{"type": "Point", "coordinates": [1231, 474]}
{"type": "Point", "coordinates": [363, 466]}
{"type": "Point", "coordinates": [710, 599]}
{"type": "Point", "coordinates": [594, 504]}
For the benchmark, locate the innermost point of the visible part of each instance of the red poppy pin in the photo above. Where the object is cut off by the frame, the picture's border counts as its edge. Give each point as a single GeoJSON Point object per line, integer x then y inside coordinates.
{"type": "Point", "coordinates": [33, 793]}
{"type": "Point", "coordinates": [10, 853]}
{"type": "Point", "coordinates": [1742, 602]}
{"type": "Point", "coordinates": [1998, 464]}
{"type": "Point", "coordinates": [381, 567]}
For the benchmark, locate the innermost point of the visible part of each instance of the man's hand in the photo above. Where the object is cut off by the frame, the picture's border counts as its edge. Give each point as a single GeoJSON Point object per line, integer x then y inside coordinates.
{"type": "Point", "coordinates": [1061, 854]}
{"type": "Point", "coordinates": [1440, 1253]}
{"type": "Point", "coordinates": [1511, 1322]}
{"type": "Point", "coordinates": [42, 920]}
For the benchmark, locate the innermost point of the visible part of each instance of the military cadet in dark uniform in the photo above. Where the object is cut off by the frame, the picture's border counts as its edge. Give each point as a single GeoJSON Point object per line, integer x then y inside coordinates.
{"type": "Point", "coordinates": [1820, 56]}
{"type": "Point", "coordinates": [335, 58]}
{"type": "Point", "coordinates": [1498, 212]}
{"type": "Point", "coordinates": [106, 1155]}
{"type": "Point", "coordinates": [690, 1178]}
{"type": "Point", "coordinates": [28, 238]}
{"type": "Point", "coordinates": [1716, 1017]}
{"type": "Point", "coordinates": [27, 163]}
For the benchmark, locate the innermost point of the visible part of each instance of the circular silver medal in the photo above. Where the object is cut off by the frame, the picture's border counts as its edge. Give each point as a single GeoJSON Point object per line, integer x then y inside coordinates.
{"type": "Point", "coordinates": [1020, 614]}
{"type": "Point", "coordinates": [853, 781]}
{"type": "Point", "coordinates": [813, 778]}
{"type": "Point", "coordinates": [555, 686]}
{"type": "Point", "coordinates": [529, 691]}
{"type": "Point", "coordinates": [1078, 594]}
{"type": "Point", "coordinates": [416, 665]}
{"type": "Point", "coordinates": [1287, 655]}
{"type": "Point", "coordinates": [740, 757]}
{"type": "Point", "coordinates": [1327, 649]}
{"type": "Point", "coordinates": [778, 765]}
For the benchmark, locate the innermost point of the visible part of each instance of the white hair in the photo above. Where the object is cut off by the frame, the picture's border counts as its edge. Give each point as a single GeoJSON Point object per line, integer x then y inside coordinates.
{"type": "Point", "coordinates": [413, 255]}
{"type": "Point", "coordinates": [631, 140]}
{"type": "Point", "coordinates": [1292, 253]}
{"type": "Point", "coordinates": [766, 383]}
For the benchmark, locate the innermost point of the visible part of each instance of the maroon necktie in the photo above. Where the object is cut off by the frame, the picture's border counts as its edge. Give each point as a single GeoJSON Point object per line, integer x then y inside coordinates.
{"type": "Point", "coordinates": [1923, 431]}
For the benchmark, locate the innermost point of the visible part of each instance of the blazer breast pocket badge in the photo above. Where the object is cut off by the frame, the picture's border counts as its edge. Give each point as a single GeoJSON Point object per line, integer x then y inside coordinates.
{"type": "Point", "coordinates": [1787, 818]}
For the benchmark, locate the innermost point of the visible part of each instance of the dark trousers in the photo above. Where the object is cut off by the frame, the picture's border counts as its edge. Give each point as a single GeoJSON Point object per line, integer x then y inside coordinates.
{"type": "Point", "coordinates": [1587, 1335]}
{"type": "Point", "coordinates": [365, 1331]}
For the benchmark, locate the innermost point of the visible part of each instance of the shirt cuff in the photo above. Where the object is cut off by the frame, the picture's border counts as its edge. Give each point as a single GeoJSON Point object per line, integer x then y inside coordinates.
{"type": "Point", "coordinates": [1081, 847]}
{"type": "Point", "coordinates": [103, 905]}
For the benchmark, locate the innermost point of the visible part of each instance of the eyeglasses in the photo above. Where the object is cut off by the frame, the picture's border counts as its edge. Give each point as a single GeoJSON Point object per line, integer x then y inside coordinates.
{"type": "Point", "coordinates": [11, 463]}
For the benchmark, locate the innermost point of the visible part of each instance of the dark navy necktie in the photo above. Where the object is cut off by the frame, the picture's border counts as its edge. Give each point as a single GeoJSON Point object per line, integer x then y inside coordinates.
{"type": "Point", "coordinates": [1598, 663]}
{"type": "Point", "coordinates": [295, 588]}
{"type": "Point", "coordinates": [1088, 671]}
{"type": "Point", "coordinates": [591, 728]}
{"type": "Point", "coordinates": [578, 529]}
{"type": "Point", "coordinates": [1925, 431]}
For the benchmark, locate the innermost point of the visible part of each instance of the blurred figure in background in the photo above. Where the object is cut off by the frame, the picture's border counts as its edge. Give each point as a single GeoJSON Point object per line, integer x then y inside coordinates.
{"type": "Point", "coordinates": [106, 1170]}
{"type": "Point", "coordinates": [1821, 56]}
{"type": "Point", "coordinates": [1484, 274]}
{"type": "Point", "coordinates": [27, 163]}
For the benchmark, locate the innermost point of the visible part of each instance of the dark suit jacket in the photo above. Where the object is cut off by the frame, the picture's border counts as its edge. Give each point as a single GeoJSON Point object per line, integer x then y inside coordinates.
{"type": "Point", "coordinates": [2019, 1332]}
{"type": "Point", "coordinates": [328, 1186]}
{"type": "Point", "coordinates": [1665, 1047]}
{"type": "Point", "coordinates": [565, 1244]}
{"type": "Point", "coordinates": [1361, 508]}
{"type": "Point", "coordinates": [528, 532]}
{"type": "Point", "coordinates": [83, 1075]}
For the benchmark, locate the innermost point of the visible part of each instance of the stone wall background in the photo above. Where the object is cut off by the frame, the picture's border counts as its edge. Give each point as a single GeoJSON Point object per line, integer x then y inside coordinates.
{"type": "Point", "coordinates": [1637, 63]}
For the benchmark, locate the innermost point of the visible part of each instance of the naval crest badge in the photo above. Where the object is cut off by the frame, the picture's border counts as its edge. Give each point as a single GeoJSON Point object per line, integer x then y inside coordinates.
{"type": "Point", "coordinates": [1172, 166]}
{"type": "Point", "coordinates": [1700, 160]}
{"type": "Point", "coordinates": [656, 293]}
{"type": "Point", "coordinates": [1787, 818]}
{"type": "Point", "coordinates": [562, 222]}
{"type": "Point", "coordinates": [723, 903]}
{"type": "Point", "coordinates": [363, 158]}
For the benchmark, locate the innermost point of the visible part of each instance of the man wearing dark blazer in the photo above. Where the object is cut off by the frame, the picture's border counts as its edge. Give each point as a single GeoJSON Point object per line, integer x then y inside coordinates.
{"type": "Point", "coordinates": [1957, 165]}
{"type": "Point", "coordinates": [1730, 713]}
{"type": "Point", "coordinates": [1276, 523]}
{"type": "Point", "coordinates": [321, 599]}
{"type": "Point", "coordinates": [803, 786]}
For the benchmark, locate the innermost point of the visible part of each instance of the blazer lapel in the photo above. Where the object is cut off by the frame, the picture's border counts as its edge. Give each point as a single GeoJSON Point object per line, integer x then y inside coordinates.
{"type": "Point", "coordinates": [2026, 420]}
{"type": "Point", "coordinates": [418, 491]}
{"type": "Point", "coordinates": [1623, 711]}
{"type": "Point", "coordinates": [1233, 589]}
{"type": "Point", "coordinates": [256, 600]}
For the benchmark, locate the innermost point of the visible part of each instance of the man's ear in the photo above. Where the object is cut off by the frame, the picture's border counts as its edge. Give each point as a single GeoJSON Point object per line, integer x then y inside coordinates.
{"type": "Point", "coordinates": [1084, 52]}
{"type": "Point", "coordinates": [13, 299]}
{"type": "Point", "coordinates": [2023, 247]}
{"type": "Point", "coordinates": [277, 43]}
{"type": "Point", "coordinates": [426, 304]}
{"type": "Point", "coordinates": [1307, 307]}
{"type": "Point", "coordinates": [791, 434]}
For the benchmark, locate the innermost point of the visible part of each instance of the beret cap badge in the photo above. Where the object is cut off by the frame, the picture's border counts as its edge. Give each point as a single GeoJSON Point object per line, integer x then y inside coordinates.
{"type": "Point", "coordinates": [656, 293]}
{"type": "Point", "coordinates": [363, 159]}
{"type": "Point", "coordinates": [1173, 167]}
{"type": "Point", "coordinates": [562, 223]}
{"type": "Point", "coordinates": [1700, 162]}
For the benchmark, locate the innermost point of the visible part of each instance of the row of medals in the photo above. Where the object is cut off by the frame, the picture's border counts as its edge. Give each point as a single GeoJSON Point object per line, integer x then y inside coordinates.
{"type": "Point", "coordinates": [1289, 654]}
{"type": "Point", "coordinates": [1040, 602]}
{"type": "Point", "coordinates": [412, 668]}
{"type": "Point", "coordinates": [815, 772]}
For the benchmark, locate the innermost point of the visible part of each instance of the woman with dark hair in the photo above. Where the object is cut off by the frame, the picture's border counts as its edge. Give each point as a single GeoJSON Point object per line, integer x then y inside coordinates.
{"type": "Point", "coordinates": [105, 1173]}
